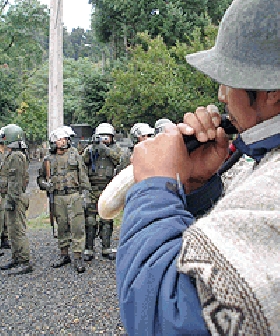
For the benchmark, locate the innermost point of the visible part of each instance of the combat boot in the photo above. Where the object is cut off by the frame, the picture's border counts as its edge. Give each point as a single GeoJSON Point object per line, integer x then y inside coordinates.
{"type": "Point", "coordinates": [5, 242]}
{"type": "Point", "coordinates": [79, 264]}
{"type": "Point", "coordinates": [109, 254]}
{"type": "Point", "coordinates": [64, 258]}
{"type": "Point", "coordinates": [23, 268]}
{"type": "Point", "coordinates": [89, 253]}
{"type": "Point", "coordinates": [13, 263]}
{"type": "Point", "coordinates": [106, 231]}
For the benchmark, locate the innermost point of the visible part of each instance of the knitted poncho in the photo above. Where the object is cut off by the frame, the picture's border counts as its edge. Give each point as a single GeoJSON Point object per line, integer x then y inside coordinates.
{"type": "Point", "coordinates": [233, 253]}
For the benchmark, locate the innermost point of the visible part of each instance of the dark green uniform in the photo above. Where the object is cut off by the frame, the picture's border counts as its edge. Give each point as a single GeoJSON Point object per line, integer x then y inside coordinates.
{"type": "Point", "coordinates": [101, 162]}
{"type": "Point", "coordinates": [3, 192]}
{"type": "Point", "coordinates": [69, 179]}
{"type": "Point", "coordinates": [16, 204]}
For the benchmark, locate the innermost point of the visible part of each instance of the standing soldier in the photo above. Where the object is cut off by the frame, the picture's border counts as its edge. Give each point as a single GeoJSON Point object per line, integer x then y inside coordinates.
{"type": "Point", "coordinates": [63, 175]}
{"type": "Point", "coordinates": [102, 159]}
{"type": "Point", "coordinates": [140, 132]}
{"type": "Point", "coordinates": [3, 191]}
{"type": "Point", "coordinates": [16, 200]}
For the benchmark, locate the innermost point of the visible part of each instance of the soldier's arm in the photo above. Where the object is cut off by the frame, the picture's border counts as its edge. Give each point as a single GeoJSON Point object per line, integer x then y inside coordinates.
{"type": "Point", "coordinates": [115, 154]}
{"type": "Point", "coordinates": [15, 178]}
{"type": "Point", "coordinates": [82, 175]}
{"type": "Point", "coordinates": [86, 156]}
{"type": "Point", "coordinates": [42, 175]}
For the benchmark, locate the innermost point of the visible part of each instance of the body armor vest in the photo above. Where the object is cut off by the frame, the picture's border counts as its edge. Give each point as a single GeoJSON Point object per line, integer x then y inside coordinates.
{"type": "Point", "coordinates": [3, 175]}
{"type": "Point", "coordinates": [7, 171]}
{"type": "Point", "coordinates": [100, 168]}
{"type": "Point", "coordinates": [64, 170]}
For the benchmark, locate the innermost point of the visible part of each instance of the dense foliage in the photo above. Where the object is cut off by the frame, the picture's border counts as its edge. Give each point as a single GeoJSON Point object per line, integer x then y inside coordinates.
{"type": "Point", "coordinates": [119, 22]}
{"type": "Point", "coordinates": [158, 82]}
{"type": "Point", "coordinates": [130, 67]}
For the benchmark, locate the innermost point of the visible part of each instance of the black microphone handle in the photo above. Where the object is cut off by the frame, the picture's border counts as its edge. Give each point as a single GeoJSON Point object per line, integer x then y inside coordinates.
{"type": "Point", "coordinates": [192, 143]}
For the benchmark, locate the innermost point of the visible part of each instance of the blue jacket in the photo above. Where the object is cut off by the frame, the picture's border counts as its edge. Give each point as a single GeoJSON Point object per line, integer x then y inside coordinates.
{"type": "Point", "coordinates": [154, 298]}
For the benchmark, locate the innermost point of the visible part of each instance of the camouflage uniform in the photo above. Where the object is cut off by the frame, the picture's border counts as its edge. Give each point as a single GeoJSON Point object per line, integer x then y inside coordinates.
{"type": "Point", "coordinates": [16, 204]}
{"type": "Point", "coordinates": [3, 191]}
{"type": "Point", "coordinates": [68, 176]}
{"type": "Point", "coordinates": [101, 162]}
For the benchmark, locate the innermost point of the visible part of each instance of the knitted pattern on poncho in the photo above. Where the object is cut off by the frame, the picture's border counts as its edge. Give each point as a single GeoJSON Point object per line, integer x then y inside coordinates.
{"type": "Point", "coordinates": [233, 253]}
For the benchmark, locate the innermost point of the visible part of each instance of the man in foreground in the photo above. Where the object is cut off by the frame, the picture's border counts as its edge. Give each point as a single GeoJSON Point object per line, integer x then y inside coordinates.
{"type": "Point", "coordinates": [188, 266]}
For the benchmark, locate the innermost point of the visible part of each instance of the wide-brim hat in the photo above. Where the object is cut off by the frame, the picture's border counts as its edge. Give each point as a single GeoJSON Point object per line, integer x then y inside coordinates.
{"type": "Point", "coordinates": [246, 54]}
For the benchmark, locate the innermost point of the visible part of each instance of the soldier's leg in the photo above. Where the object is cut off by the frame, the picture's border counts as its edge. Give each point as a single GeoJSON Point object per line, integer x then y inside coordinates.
{"type": "Point", "coordinates": [1, 222]}
{"type": "Point", "coordinates": [106, 230]}
{"type": "Point", "coordinates": [91, 225]}
{"type": "Point", "coordinates": [4, 229]}
{"type": "Point", "coordinates": [5, 236]}
{"type": "Point", "coordinates": [77, 224]}
{"type": "Point", "coordinates": [63, 233]}
{"type": "Point", "coordinates": [16, 220]}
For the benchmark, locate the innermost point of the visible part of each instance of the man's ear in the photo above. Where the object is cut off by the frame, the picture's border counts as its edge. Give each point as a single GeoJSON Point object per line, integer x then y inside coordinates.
{"type": "Point", "coordinates": [273, 97]}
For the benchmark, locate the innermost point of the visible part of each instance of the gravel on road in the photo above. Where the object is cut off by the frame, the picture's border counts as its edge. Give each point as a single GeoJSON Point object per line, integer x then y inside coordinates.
{"type": "Point", "coordinates": [59, 301]}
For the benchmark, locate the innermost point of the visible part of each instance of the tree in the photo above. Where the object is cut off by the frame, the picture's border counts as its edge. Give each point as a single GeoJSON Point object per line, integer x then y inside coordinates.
{"type": "Point", "coordinates": [94, 93]}
{"type": "Point", "coordinates": [22, 30]}
{"type": "Point", "coordinates": [9, 90]}
{"type": "Point", "coordinates": [119, 22]}
{"type": "Point", "coordinates": [159, 83]}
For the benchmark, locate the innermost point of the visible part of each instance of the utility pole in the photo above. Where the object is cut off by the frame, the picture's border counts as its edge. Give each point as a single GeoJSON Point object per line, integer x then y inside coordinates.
{"type": "Point", "coordinates": [55, 115]}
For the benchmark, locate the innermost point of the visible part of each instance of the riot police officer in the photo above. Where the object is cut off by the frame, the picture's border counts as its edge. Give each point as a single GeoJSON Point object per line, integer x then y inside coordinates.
{"type": "Point", "coordinates": [101, 158]}
{"type": "Point", "coordinates": [63, 174]}
{"type": "Point", "coordinates": [140, 132]}
{"type": "Point", "coordinates": [16, 200]}
{"type": "Point", "coordinates": [3, 192]}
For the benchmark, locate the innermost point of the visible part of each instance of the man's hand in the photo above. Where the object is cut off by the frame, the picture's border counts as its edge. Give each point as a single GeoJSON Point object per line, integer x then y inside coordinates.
{"type": "Point", "coordinates": [10, 205]}
{"type": "Point", "coordinates": [102, 149]}
{"type": "Point", "coordinates": [165, 155]}
{"type": "Point", "coordinates": [48, 186]}
{"type": "Point", "coordinates": [206, 160]}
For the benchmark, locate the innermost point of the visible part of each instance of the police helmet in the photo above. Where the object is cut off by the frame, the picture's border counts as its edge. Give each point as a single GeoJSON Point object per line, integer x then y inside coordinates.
{"type": "Point", "coordinates": [140, 129]}
{"type": "Point", "coordinates": [159, 125]}
{"type": "Point", "coordinates": [105, 129]}
{"type": "Point", "coordinates": [56, 135]}
{"type": "Point", "coordinates": [14, 137]}
{"type": "Point", "coordinates": [70, 133]}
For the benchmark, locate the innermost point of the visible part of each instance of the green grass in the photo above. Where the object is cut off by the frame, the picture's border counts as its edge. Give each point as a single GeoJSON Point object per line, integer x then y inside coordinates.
{"type": "Point", "coordinates": [118, 219]}
{"type": "Point", "coordinates": [41, 222]}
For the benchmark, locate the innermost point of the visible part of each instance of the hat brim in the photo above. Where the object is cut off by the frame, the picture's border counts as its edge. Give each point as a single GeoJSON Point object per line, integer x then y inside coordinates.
{"type": "Point", "coordinates": [234, 73]}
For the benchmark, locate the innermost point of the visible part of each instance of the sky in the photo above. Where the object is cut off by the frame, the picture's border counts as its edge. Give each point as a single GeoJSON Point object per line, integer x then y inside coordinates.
{"type": "Point", "coordinates": [76, 13]}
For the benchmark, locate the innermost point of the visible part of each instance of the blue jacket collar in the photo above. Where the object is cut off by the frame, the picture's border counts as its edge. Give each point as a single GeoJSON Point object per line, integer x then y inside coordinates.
{"type": "Point", "coordinates": [260, 139]}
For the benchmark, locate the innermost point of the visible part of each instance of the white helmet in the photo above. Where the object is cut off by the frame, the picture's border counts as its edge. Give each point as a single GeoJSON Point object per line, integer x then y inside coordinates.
{"type": "Point", "coordinates": [68, 130]}
{"type": "Point", "coordinates": [159, 125]}
{"type": "Point", "coordinates": [105, 128]}
{"type": "Point", "coordinates": [57, 134]}
{"type": "Point", "coordinates": [142, 129]}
